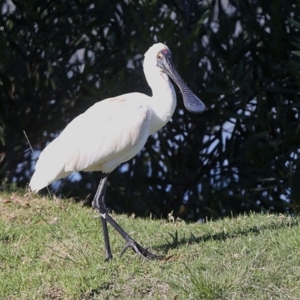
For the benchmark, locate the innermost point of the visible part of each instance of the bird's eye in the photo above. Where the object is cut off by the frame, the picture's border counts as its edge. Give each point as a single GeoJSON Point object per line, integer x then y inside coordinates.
{"type": "Point", "coordinates": [159, 55]}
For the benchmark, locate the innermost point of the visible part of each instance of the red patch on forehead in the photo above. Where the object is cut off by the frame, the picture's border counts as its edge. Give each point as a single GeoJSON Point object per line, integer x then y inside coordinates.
{"type": "Point", "coordinates": [165, 51]}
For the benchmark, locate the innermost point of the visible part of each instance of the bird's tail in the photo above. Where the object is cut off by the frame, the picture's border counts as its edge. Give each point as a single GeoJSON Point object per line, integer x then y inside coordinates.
{"type": "Point", "coordinates": [37, 182]}
{"type": "Point", "coordinates": [49, 167]}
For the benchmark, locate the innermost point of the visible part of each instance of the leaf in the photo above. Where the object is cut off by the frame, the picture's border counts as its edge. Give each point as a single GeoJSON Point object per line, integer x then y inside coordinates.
{"type": "Point", "coordinates": [296, 52]}
{"type": "Point", "coordinates": [295, 23]}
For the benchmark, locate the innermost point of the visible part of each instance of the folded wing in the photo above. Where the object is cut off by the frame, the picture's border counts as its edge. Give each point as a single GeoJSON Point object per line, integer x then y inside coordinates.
{"type": "Point", "coordinates": [110, 132]}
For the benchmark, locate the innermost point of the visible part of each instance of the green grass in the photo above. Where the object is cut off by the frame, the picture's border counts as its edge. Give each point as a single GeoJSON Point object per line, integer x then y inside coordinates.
{"type": "Point", "coordinates": [53, 249]}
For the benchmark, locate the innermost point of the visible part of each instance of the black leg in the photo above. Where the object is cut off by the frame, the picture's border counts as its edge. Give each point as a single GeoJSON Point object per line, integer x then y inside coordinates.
{"type": "Point", "coordinates": [130, 242]}
{"type": "Point", "coordinates": [99, 203]}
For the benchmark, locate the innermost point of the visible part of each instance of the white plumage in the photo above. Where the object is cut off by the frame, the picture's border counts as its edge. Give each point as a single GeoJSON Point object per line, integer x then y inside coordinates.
{"type": "Point", "coordinates": [110, 132]}
{"type": "Point", "coordinates": [113, 131]}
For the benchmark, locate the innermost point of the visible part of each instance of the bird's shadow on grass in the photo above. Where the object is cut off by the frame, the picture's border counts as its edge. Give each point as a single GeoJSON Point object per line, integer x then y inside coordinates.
{"type": "Point", "coordinates": [175, 241]}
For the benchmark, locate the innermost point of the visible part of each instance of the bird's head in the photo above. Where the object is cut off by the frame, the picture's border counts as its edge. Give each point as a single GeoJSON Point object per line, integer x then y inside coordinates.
{"type": "Point", "coordinates": [159, 58]}
{"type": "Point", "coordinates": [154, 55]}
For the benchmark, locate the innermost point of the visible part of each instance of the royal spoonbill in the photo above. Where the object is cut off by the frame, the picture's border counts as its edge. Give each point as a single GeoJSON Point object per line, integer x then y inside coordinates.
{"type": "Point", "coordinates": [113, 131]}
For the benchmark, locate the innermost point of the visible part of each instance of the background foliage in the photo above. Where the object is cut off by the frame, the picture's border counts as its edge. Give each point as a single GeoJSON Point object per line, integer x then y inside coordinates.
{"type": "Point", "coordinates": [240, 57]}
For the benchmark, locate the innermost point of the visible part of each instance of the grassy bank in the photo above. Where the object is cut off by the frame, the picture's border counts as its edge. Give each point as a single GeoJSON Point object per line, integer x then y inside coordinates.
{"type": "Point", "coordinates": [53, 249]}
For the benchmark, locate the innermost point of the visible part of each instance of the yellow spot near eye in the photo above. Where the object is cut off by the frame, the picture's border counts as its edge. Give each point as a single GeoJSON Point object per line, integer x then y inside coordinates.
{"type": "Point", "coordinates": [159, 55]}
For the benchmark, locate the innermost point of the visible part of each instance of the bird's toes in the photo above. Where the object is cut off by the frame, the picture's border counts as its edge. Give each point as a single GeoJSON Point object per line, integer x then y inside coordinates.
{"type": "Point", "coordinates": [138, 249]}
{"type": "Point", "coordinates": [108, 257]}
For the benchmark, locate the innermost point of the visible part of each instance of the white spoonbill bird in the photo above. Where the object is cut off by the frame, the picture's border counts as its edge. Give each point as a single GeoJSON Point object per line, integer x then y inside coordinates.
{"type": "Point", "coordinates": [113, 131]}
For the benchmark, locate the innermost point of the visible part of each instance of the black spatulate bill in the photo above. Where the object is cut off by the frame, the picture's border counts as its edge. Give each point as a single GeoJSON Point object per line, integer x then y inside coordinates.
{"type": "Point", "coordinates": [190, 100]}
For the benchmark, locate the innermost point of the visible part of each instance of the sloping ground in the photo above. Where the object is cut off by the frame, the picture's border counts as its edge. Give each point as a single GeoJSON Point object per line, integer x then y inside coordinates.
{"type": "Point", "coordinates": [53, 249]}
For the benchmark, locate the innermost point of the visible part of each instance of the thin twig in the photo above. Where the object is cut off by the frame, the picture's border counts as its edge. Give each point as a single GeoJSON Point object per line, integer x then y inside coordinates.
{"type": "Point", "coordinates": [27, 139]}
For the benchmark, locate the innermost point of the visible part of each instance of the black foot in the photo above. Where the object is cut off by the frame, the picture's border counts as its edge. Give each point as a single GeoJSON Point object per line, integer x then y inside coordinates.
{"type": "Point", "coordinates": [138, 249]}
{"type": "Point", "coordinates": [108, 257]}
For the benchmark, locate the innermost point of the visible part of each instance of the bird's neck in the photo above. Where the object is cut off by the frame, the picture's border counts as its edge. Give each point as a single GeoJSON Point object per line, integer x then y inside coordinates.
{"type": "Point", "coordinates": [163, 100]}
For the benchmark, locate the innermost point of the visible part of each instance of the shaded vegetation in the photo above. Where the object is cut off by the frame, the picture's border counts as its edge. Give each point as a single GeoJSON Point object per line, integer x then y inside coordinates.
{"type": "Point", "coordinates": [58, 58]}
